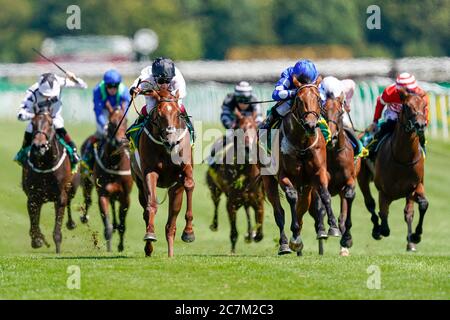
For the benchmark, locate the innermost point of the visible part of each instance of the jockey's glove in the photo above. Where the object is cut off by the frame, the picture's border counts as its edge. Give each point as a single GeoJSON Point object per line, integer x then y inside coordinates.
{"type": "Point", "coordinates": [25, 115]}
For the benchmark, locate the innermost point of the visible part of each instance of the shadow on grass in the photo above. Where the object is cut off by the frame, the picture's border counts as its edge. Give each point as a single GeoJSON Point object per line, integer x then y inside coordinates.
{"type": "Point", "coordinates": [88, 258]}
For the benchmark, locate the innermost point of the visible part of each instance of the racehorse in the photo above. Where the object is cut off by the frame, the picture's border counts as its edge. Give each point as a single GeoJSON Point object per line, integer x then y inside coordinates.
{"type": "Point", "coordinates": [164, 159]}
{"type": "Point", "coordinates": [302, 167]}
{"type": "Point", "coordinates": [47, 177]}
{"type": "Point", "coordinates": [399, 171]}
{"type": "Point", "coordinates": [240, 182]}
{"type": "Point", "coordinates": [343, 169]}
{"type": "Point", "coordinates": [111, 176]}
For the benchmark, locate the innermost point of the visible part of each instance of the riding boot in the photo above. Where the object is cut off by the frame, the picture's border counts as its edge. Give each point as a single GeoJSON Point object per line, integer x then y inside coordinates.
{"type": "Point", "coordinates": [22, 154]}
{"type": "Point", "coordinates": [359, 148]}
{"type": "Point", "coordinates": [61, 132]}
{"type": "Point", "coordinates": [385, 128]}
{"type": "Point", "coordinates": [272, 117]}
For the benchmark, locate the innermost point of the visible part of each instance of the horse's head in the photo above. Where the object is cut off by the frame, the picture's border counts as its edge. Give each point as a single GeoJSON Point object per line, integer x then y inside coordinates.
{"type": "Point", "coordinates": [115, 134]}
{"type": "Point", "coordinates": [167, 117]}
{"type": "Point", "coordinates": [413, 116]}
{"type": "Point", "coordinates": [247, 123]}
{"type": "Point", "coordinates": [306, 107]}
{"type": "Point", "coordinates": [43, 132]}
{"type": "Point", "coordinates": [333, 111]}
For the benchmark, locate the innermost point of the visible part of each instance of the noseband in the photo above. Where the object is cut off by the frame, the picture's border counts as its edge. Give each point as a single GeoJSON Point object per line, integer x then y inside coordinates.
{"type": "Point", "coordinates": [303, 115]}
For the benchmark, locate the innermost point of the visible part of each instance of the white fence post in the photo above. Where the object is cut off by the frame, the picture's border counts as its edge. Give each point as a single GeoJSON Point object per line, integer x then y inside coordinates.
{"type": "Point", "coordinates": [443, 103]}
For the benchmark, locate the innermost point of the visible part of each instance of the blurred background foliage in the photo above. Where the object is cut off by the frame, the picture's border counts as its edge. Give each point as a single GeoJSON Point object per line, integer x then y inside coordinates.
{"type": "Point", "coordinates": [232, 29]}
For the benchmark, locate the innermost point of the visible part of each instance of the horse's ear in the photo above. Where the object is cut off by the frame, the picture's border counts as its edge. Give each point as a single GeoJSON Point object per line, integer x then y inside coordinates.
{"type": "Point", "coordinates": [341, 99]}
{"type": "Point", "coordinates": [297, 83]}
{"type": "Point", "coordinates": [238, 114]}
{"type": "Point", "coordinates": [318, 80]}
{"type": "Point", "coordinates": [177, 94]}
{"type": "Point", "coordinates": [403, 93]}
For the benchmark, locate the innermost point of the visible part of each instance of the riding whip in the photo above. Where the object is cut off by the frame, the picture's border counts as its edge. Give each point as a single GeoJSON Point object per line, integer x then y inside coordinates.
{"type": "Point", "coordinates": [128, 108]}
{"type": "Point", "coordinates": [50, 60]}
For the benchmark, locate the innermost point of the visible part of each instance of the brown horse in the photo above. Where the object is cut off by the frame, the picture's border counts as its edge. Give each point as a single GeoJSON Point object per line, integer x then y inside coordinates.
{"type": "Point", "coordinates": [164, 159]}
{"type": "Point", "coordinates": [111, 176]}
{"type": "Point", "coordinates": [240, 182]}
{"type": "Point", "coordinates": [343, 169]}
{"type": "Point", "coordinates": [47, 177]}
{"type": "Point", "coordinates": [302, 166]}
{"type": "Point", "coordinates": [399, 171]}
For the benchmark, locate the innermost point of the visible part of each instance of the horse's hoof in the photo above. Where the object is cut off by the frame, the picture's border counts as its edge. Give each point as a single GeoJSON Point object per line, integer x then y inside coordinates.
{"type": "Point", "coordinates": [284, 249]}
{"type": "Point", "coordinates": [258, 236]}
{"type": "Point", "coordinates": [188, 237]}
{"type": "Point", "coordinates": [299, 253]}
{"type": "Point", "coordinates": [344, 252]}
{"type": "Point", "coordinates": [248, 238]}
{"type": "Point", "coordinates": [296, 245]}
{"type": "Point", "coordinates": [321, 234]}
{"type": "Point", "coordinates": [148, 249]}
{"type": "Point", "coordinates": [84, 219]}
{"type": "Point", "coordinates": [334, 232]}
{"type": "Point", "coordinates": [415, 238]}
{"type": "Point", "coordinates": [411, 247]}
{"type": "Point", "coordinates": [150, 236]}
{"type": "Point", "coordinates": [213, 227]}
{"type": "Point", "coordinates": [71, 225]}
{"type": "Point", "coordinates": [37, 243]}
{"type": "Point", "coordinates": [108, 245]}
{"type": "Point", "coordinates": [120, 247]}
{"type": "Point", "coordinates": [346, 243]}
{"type": "Point", "coordinates": [376, 235]}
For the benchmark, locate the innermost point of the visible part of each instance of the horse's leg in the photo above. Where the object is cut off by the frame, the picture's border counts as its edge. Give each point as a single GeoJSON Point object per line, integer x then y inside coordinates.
{"type": "Point", "coordinates": [103, 203]}
{"type": "Point", "coordinates": [232, 209]}
{"type": "Point", "coordinates": [175, 201]}
{"type": "Point", "coordinates": [70, 223]}
{"type": "Point", "coordinates": [123, 210]}
{"type": "Point", "coordinates": [271, 187]}
{"type": "Point", "coordinates": [87, 187]}
{"type": "Point", "coordinates": [148, 248]}
{"type": "Point", "coordinates": [60, 206]}
{"type": "Point", "coordinates": [325, 196]}
{"type": "Point", "coordinates": [423, 206]}
{"type": "Point", "coordinates": [188, 232]}
{"type": "Point", "coordinates": [249, 235]}
{"type": "Point", "coordinates": [292, 198]}
{"type": "Point", "coordinates": [317, 211]}
{"type": "Point", "coordinates": [303, 203]}
{"type": "Point", "coordinates": [409, 216]}
{"type": "Point", "coordinates": [34, 212]}
{"type": "Point", "coordinates": [259, 218]}
{"type": "Point", "coordinates": [215, 195]}
{"type": "Point", "coordinates": [151, 206]}
{"type": "Point", "coordinates": [113, 213]}
{"type": "Point", "coordinates": [384, 203]}
{"type": "Point", "coordinates": [364, 184]}
{"type": "Point", "coordinates": [345, 221]}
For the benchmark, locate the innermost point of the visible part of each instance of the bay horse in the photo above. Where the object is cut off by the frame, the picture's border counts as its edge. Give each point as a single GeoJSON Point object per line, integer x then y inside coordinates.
{"type": "Point", "coordinates": [399, 171]}
{"type": "Point", "coordinates": [111, 176]}
{"type": "Point", "coordinates": [302, 167]}
{"type": "Point", "coordinates": [343, 169]}
{"type": "Point", "coordinates": [47, 177]}
{"type": "Point", "coordinates": [240, 182]}
{"type": "Point", "coordinates": [164, 159]}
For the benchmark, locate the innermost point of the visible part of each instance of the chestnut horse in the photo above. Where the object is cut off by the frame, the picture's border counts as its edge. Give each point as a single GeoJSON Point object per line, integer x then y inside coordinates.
{"type": "Point", "coordinates": [399, 171]}
{"type": "Point", "coordinates": [239, 181]}
{"type": "Point", "coordinates": [47, 177]}
{"type": "Point", "coordinates": [343, 169]}
{"type": "Point", "coordinates": [164, 159]}
{"type": "Point", "coordinates": [111, 176]}
{"type": "Point", "coordinates": [302, 166]}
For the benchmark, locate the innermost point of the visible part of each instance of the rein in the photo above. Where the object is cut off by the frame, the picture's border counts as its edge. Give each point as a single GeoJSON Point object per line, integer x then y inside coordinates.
{"type": "Point", "coordinates": [53, 169]}
{"type": "Point", "coordinates": [107, 170]}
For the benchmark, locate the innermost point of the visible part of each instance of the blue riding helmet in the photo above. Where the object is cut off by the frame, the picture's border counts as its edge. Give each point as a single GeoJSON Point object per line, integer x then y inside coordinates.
{"type": "Point", "coordinates": [112, 77]}
{"type": "Point", "coordinates": [305, 71]}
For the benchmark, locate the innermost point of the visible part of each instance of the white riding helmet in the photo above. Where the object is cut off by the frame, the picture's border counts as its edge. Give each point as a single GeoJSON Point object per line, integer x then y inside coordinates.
{"type": "Point", "coordinates": [332, 87]}
{"type": "Point", "coordinates": [49, 85]}
{"type": "Point", "coordinates": [243, 89]}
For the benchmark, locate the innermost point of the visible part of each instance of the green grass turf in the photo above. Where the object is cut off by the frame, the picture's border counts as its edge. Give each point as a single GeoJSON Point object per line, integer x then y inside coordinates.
{"type": "Point", "coordinates": [204, 269]}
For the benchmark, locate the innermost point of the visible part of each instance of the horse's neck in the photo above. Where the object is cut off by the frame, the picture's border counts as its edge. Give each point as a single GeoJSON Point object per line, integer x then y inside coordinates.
{"type": "Point", "coordinates": [405, 144]}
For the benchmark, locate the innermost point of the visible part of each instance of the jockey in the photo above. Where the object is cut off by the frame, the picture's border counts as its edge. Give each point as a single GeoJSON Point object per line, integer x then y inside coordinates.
{"type": "Point", "coordinates": [239, 100]}
{"type": "Point", "coordinates": [47, 93]}
{"type": "Point", "coordinates": [333, 87]}
{"type": "Point", "coordinates": [391, 98]}
{"type": "Point", "coordinates": [285, 91]}
{"type": "Point", "coordinates": [109, 94]}
{"type": "Point", "coordinates": [162, 74]}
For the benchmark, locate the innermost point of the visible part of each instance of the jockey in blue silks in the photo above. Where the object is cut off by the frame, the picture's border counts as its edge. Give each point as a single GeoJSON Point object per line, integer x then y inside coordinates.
{"type": "Point", "coordinates": [285, 91]}
{"type": "Point", "coordinates": [109, 93]}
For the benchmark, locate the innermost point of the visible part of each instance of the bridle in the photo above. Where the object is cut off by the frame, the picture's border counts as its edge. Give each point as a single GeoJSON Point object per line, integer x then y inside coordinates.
{"type": "Point", "coordinates": [337, 121]}
{"type": "Point", "coordinates": [411, 119]}
{"type": "Point", "coordinates": [300, 118]}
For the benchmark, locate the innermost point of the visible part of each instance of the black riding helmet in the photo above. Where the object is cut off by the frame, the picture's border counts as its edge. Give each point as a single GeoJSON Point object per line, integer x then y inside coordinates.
{"type": "Point", "coordinates": [163, 69]}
